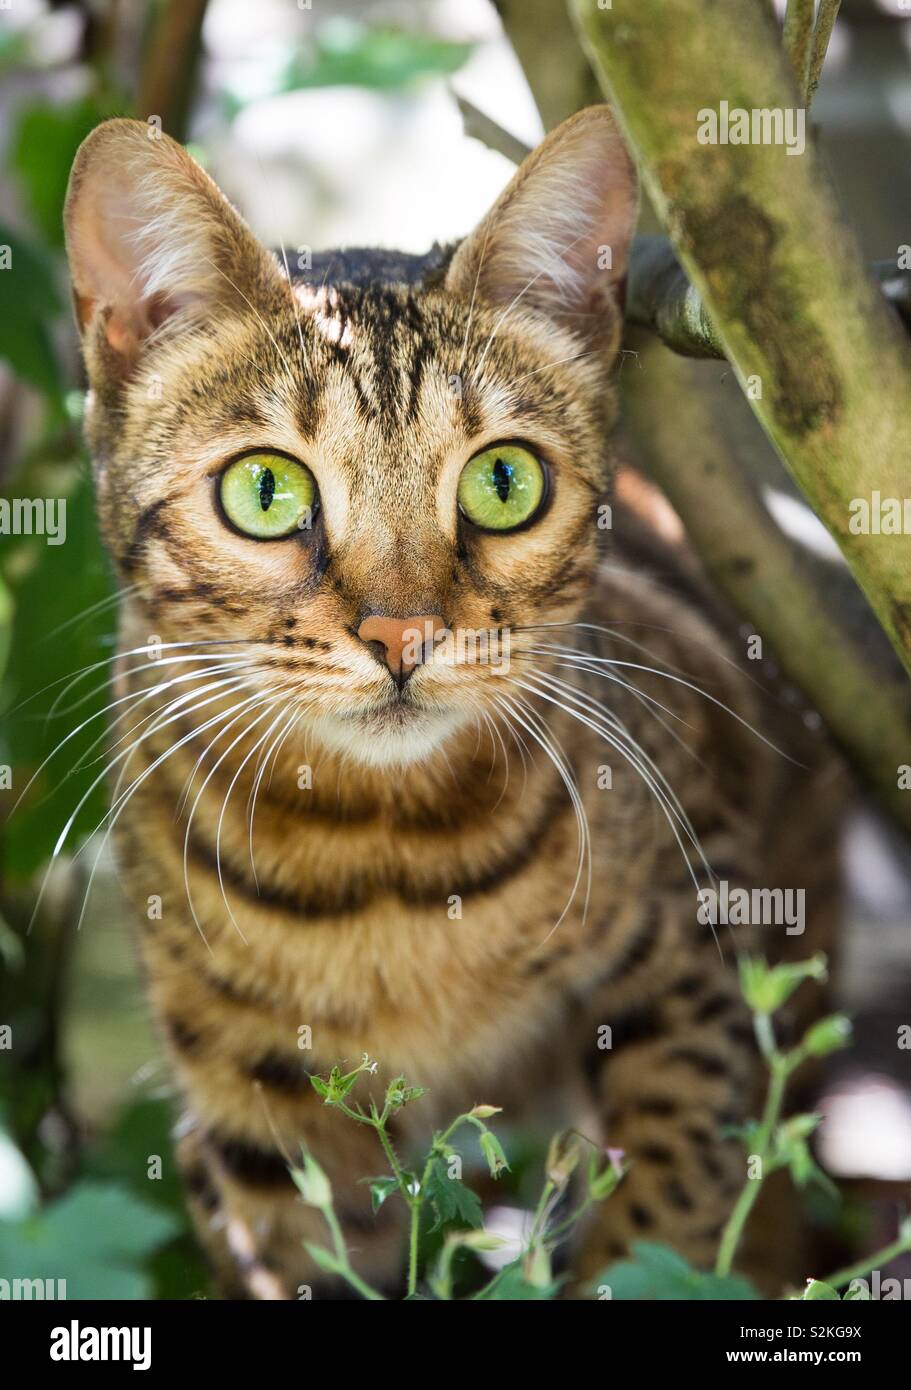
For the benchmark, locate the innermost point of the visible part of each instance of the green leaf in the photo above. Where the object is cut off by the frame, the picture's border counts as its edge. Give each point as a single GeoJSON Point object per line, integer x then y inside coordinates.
{"type": "Point", "coordinates": [798, 1127]}
{"type": "Point", "coordinates": [492, 1150]}
{"type": "Point", "coordinates": [29, 301]}
{"type": "Point", "coordinates": [44, 143]}
{"type": "Point", "coordinates": [817, 1290]}
{"type": "Point", "coordinates": [340, 1085]}
{"type": "Point", "coordinates": [510, 1284]}
{"type": "Point", "coordinates": [142, 1129]}
{"type": "Point", "coordinates": [380, 1189]}
{"type": "Point", "coordinates": [450, 1199]}
{"type": "Point", "coordinates": [659, 1273]}
{"type": "Point", "coordinates": [96, 1238]}
{"type": "Point", "coordinates": [60, 628]}
{"type": "Point", "coordinates": [804, 1169]}
{"type": "Point", "coordinates": [324, 1258]}
{"type": "Point", "coordinates": [399, 1095]}
{"type": "Point", "coordinates": [828, 1035]}
{"type": "Point", "coordinates": [312, 1183]}
{"type": "Point", "coordinates": [766, 988]}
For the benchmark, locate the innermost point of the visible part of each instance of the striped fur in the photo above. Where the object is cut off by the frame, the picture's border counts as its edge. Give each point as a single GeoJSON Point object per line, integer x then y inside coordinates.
{"type": "Point", "coordinates": [331, 928]}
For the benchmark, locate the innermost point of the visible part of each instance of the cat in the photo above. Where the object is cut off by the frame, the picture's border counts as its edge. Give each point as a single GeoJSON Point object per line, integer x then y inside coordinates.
{"type": "Point", "coordinates": [472, 869]}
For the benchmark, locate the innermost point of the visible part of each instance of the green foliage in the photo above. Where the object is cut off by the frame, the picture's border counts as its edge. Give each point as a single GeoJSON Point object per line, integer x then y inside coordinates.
{"type": "Point", "coordinates": [49, 584]}
{"type": "Point", "coordinates": [29, 301]}
{"type": "Point", "coordinates": [450, 1200]}
{"type": "Point", "coordinates": [346, 53]}
{"type": "Point", "coordinates": [817, 1290]}
{"type": "Point", "coordinates": [655, 1272]}
{"type": "Point", "coordinates": [95, 1237]}
{"type": "Point", "coordinates": [44, 143]}
{"type": "Point", "coordinates": [437, 1200]}
{"type": "Point", "coordinates": [149, 1251]}
{"type": "Point", "coordinates": [766, 988]}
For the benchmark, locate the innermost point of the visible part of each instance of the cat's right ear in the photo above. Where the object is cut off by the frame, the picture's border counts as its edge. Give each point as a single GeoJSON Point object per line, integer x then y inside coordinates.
{"type": "Point", "coordinates": [152, 241]}
{"type": "Point", "coordinates": [557, 239]}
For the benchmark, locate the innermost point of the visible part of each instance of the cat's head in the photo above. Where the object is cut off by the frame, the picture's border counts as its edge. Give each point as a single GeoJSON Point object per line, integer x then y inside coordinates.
{"type": "Point", "coordinates": [317, 470]}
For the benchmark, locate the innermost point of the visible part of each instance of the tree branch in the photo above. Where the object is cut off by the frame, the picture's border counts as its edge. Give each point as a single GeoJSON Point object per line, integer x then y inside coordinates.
{"type": "Point", "coordinates": [479, 126]}
{"type": "Point", "coordinates": [808, 610]}
{"type": "Point", "coordinates": [798, 40]}
{"type": "Point", "coordinates": [659, 296]}
{"type": "Point", "coordinates": [807, 329]}
{"type": "Point", "coordinates": [825, 23]}
{"type": "Point", "coordinates": [169, 64]}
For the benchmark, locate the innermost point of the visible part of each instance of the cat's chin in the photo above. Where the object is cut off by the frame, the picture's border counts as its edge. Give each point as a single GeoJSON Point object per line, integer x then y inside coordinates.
{"type": "Point", "coordinates": [391, 736]}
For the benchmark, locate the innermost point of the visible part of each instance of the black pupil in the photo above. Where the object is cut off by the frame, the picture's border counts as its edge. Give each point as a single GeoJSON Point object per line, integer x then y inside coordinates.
{"type": "Point", "coordinates": [266, 488]}
{"type": "Point", "coordinates": [502, 479]}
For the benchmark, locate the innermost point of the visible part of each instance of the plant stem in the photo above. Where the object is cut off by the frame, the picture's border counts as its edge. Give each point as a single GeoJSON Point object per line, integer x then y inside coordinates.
{"type": "Point", "coordinates": [338, 1242]}
{"type": "Point", "coordinates": [825, 23]}
{"type": "Point", "coordinates": [865, 1266]}
{"type": "Point", "coordinates": [414, 1231]}
{"type": "Point", "coordinates": [380, 1127]}
{"type": "Point", "coordinates": [762, 1027]}
{"type": "Point", "coordinates": [780, 1065]}
{"type": "Point", "coordinates": [736, 1221]}
{"type": "Point", "coordinates": [777, 1081]}
{"type": "Point", "coordinates": [798, 40]}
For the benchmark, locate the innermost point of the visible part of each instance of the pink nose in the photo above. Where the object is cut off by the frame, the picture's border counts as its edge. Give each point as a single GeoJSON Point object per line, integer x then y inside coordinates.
{"type": "Point", "coordinates": [402, 639]}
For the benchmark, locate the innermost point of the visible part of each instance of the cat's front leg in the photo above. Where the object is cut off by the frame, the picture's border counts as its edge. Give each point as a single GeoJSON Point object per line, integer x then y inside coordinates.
{"type": "Point", "coordinates": [670, 1066]}
{"type": "Point", "coordinates": [254, 1225]}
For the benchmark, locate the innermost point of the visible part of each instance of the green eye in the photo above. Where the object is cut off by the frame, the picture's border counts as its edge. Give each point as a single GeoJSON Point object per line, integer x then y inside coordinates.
{"type": "Point", "coordinates": [501, 488]}
{"type": "Point", "coordinates": [268, 496]}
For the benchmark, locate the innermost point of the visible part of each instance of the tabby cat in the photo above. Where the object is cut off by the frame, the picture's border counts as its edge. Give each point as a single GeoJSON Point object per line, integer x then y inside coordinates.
{"type": "Point", "coordinates": [344, 829]}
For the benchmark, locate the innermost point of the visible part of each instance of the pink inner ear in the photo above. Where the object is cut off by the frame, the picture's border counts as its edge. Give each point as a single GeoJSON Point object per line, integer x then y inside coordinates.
{"type": "Point", "coordinates": [127, 329]}
{"type": "Point", "coordinates": [121, 338]}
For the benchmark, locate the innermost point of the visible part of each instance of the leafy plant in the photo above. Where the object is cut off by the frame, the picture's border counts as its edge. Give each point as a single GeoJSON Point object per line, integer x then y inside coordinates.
{"type": "Point", "coordinates": [771, 1143]}
{"type": "Point", "coordinates": [434, 1189]}
{"type": "Point", "coordinates": [96, 1238]}
{"type": "Point", "coordinates": [434, 1193]}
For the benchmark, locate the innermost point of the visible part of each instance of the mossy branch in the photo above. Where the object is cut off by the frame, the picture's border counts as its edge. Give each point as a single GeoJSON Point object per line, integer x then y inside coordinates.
{"type": "Point", "coordinates": [761, 238]}
{"type": "Point", "coordinates": [659, 296]}
{"type": "Point", "coordinates": [808, 610]}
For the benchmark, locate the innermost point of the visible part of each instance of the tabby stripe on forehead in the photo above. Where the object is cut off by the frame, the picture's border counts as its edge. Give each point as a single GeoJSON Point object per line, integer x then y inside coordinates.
{"type": "Point", "coordinates": [422, 354]}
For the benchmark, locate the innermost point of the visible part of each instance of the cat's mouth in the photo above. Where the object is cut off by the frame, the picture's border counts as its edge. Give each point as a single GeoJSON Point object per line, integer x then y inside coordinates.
{"type": "Point", "coordinates": [395, 715]}
{"type": "Point", "coordinates": [399, 711]}
{"type": "Point", "coordinates": [394, 731]}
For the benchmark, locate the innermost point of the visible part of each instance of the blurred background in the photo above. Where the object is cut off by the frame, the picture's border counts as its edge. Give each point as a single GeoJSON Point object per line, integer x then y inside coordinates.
{"type": "Point", "coordinates": [328, 123]}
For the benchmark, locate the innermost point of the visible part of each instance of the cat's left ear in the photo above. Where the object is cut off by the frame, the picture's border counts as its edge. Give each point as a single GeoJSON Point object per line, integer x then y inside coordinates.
{"type": "Point", "coordinates": [557, 239]}
{"type": "Point", "coordinates": [151, 239]}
